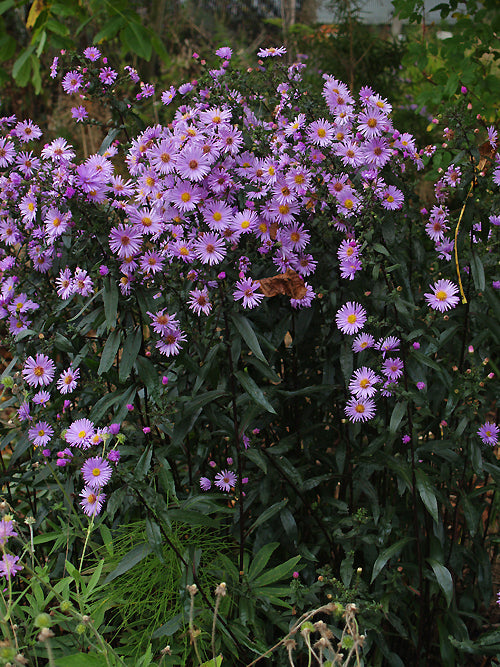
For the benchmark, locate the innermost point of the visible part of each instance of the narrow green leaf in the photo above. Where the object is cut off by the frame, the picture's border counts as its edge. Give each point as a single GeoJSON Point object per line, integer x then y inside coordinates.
{"type": "Point", "coordinates": [444, 579]}
{"type": "Point", "coordinates": [427, 493]}
{"type": "Point", "coordinates": [387, 554]}
{"type": "Point", "coordinates": [213, 663]}
{"type": "Point", "coordinates": [136, 39]}
{"type": "Point", "coordinates": [254, 391]}
{"type": "Point", "coordinates": [133, 557]}
{"type": "Point", "coordinates": [108, 140]}
{"type": "Point", "coordinates": [110, 299]}
{"type": "Point", "coordinates": [143, 464]}
{"type": "Point", "coordinates": [267, 514]}
{"type": "Point", "coordinates": [109, 29]}
{"type": "Point", "coordinates": [153, 533]}
{"type": "Point", "coordinates": [381, 249]}
{"type": "Point", "coordinates": [246, 331]}
{"type": "Point", "coordinates": [131, 349]}
{"type": "Point", "coordinates": [22, 61]}
{"type": "Point", "coordinates": [94, 579]}
{"type": "Point", "coordinates": [397, 415]}
{"type": "Point", "coordinates": [109, 351]}
{"type": "Point", "coordinates": [191, 517]}
{"type": "Point", "coordinates": [261, 559]}
{"type": "Point", "coordinates": [477, 271]}
{"type": "Point", "coordinates": [277, 573]}
{"type": "Point", "coordinates": [82, 660]}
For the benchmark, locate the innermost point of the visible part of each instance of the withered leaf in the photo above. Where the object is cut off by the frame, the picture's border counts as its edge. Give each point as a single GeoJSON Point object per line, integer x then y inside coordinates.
{"type": "Point", "coordinates": [289, 283]}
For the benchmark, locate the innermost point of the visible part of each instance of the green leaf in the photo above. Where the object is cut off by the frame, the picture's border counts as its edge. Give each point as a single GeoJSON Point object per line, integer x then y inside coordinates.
{"type": "Point", "coordinates": [136, 38]}
{"type": "Point", "coordinates": [426, 491]}
{"type": "Point", "coordinates": [387, 554]}
{"type": "Point", "coordinates": [108, 140]}
{"type": "Point", "coordinates": [277, 573]}
{"type": "Point", "coordinates": [268, 513]}
{"type": "Point", "coordinates": [94, 579]}
{"type": "Point", "coordinates": [144, 463]}
{"type": "Point", "coordinates": [133, 557]}
{"type": "Point", "coordinates": [191, 517]}
{"type": "Point", "coordinates": [82, 660]}
{"type": "Point", "coordinates": [254, 391]}
{"type": "Point", "coordinates": [381, 249]}
{"type": "Point", "coordinates": [213, 663]}
{"type": "Point", "coordinates": [247, 333]}
{"type": "Point", "coordinates": [153, 533]}
{"type": "Point", "coordinates": [444, 579]}
{"type": "Point", "coordinates": [477, 271]}
{"type": "Point", "coordinates": [6, 5]}
{"type": "Point", "coordinates": [397, 415]}
{"type": "Point", "coordinates": [110, 299]}
{"type": "Point", "coordinates": [261, 559]}
{"type": "Point", "coordinates": [109, 30]}
{"type": "Point", "coordinates": [21, 62]}
{"type": "Point", "coordinates": [109, 351]}
{"type": "Point", "coordinates": [131, 349]}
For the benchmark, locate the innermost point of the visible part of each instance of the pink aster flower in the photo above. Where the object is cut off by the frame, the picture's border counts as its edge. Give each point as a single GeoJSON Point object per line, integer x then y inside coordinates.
{"type": "Point", "coordinates": [225, 480]}
{"type": "Point", "coordinates": [393, 368]}
{"type": "Point", "coordinates": [247, 289]}
{"type": "Point", "coordinates": [363, 342]}
{"type": "Point", "coordinates": [171, 344]}
{"type": "Point", "coordinates": [72, 82]}
{"type": "Point", "coordinates": [107, 75]}
{"type": "Point", "coordinates": [125, 240]}
{"type": "Point", "coordinates": [210, 248]}
{"type": "Point", "coordinates": [199, 301]}
{"type": "Point", "coordinates": [96, 472]}
{"type": "Point", "coordinates": [80, 433]}
{"type": "Point", "coordinates": [205, 484]}
{"type": "Point", "coordinates": [92, 501]}
{"type": "Point", "coordinates": [38, 371]}
{"type": "Point", "coordinates": [388, 344]}
{"type": "Point", "coordinates": [362, 382]}
{"type": "Point", "coordinates": [489, 433]}
{"type": "Point", "coordinates": [92, 53]}
{"type": "Point", "coordinates": [272, 52]}
{"type": "Point", "coordinates": [442, 296]}
{"type": "Point", "coordinates": [40, 434]}
{"type": "Point", "coordinates": [320, 132]}
{"type": "Point", "coordinates": [79, 113]}
{"type": "Point", "coordinates": [360, 409]}
{"type": "Point", "coordinates": [351, 318]}
{"type": "Point", "coordinates": [68, 380]}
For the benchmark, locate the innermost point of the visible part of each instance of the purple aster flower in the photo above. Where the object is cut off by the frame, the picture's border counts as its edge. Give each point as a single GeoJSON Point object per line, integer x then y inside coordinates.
{"type": "Point", "coordinates": [351, 318]}
{"type": "Point", "coordinates": [192, 163]}
{"type": "Point", "coordinates": [247, 289]}
{"type": "Point", "coordinates": [41, 397]}
{"type": "Point", "coordinates": [6, 530]}
{"type": "Point", "coordinates": [26, 130]}
{"type": "Point", "coordinates": [393, 368]}
{"type": "Point", "coordinates": [388, 344]}
{"type": "Point", "coordinates": [489, 433]}
{"type": "Point", "coordinates": [9, 566]}
{"type": "Point", "coordinates": [96, 472]}
{"type": "Point", "coordinates": [362, 342]}
{"type": "Point", "coordinates": [225, 480]}
{"type": "Point", "coordinates": [171, 344]}
{"type": "Point", "coordinates": [79, 113]}
{"type": "Point", "coordinates": [360, 409]}
{"type": "Point", "coordinates": [406, 439]}
{"type": "Point", "coordinates": [125, 240]}
{"type": "Point", "coordinates": [92, 501]}
{"type": "Point", "coordinates": [443, 295]}
{"type": "Point", "coordinates": [107, 75]}
{"type": "Point", "coordinates": [420, 386]}
{"type": "Point", "coordinates": [272, 52]}
{"type": "Point", "coordinates": [205, 484]}
{"type": "Point", "coordinates": [199, 301]}
{"type": "Point", "coordinates": [38, 371]}
{"type": "Point", "coordinates": [362, 382]}
{"type": "Point", "coordinates": [80, 433]}
{"type": "Point", "coordinates": [224, 52]}
{"type": "Point", "coordinates": [64, 282]}
{"type": "Point", "coordinates": [40, 434]}
{"type": "Point", "coordinates": [72, 82]}
{"type": "Point", "coordinates": [68, 380]}
{"type": "Point", "coordinates": [92, 53]}
{"type": "Point", "coordinates": [210, 248]}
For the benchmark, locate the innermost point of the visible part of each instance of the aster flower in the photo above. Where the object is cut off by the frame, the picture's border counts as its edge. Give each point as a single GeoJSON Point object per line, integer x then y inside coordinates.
{"type": "Point", "coordinates": [9, 566]}
{"type": "Point", "coordinates": [40, 434]}
{"type": "Point", "coordinates": [489, 433]}
{"type": "Point", "coordinates": [225, 480]}
{"type": "Point", "coordinates": [350, 318]}
{"type": "Point", "coordinates": [199, 301]}
{"type": "Point", "coordinates": [96, 472]}
{"type": "Point", "coordinates": [171, 343]}
{"type": "Point", "coordinates": [72, 82]}
{"type": "Point", "coordinates": [92, 53]}
{"type": "Point", "coordinates": [41, 398]}
{"type": "Point", "coordinates": [125, 240]}
{"type": "Point", "coordinates": [68, 380]}
{"type": "Point", "coordinates": [38, 371]}
{"type": "Point", "coordinates": [79, 113]}
{"type": "Point", "coordinates": [320, 132]}
{"type": "Point", "coordinates": [210, 248]}
{"type": "Point", "coordinates": [26, 130]}
{"type": "Point", "coordinates": [92, 500]}
{"type": "Point", "coordinates": [80, 433]}
{"type": "Point", "coordinates": [272, 52]}
{"type": "Point", "coordinates": [107, 75]}
{"type": "Point", "coordinates": [393, 368]}
{"type": "Point", "coordinates": [360, 409]}
{"type": "Point", "coordinates": [362, 382]}
{"type": "Point", "coordinates": [442, 297]}
{"type": "Point", "coordinates": [205, 484]}
{"type": "Point", "coordinates": [247, 289]}
{"type": "Point", "coordinates": [363, 342]}
{"type": "Point", "coordinates": [64, 282]}
{"type": "Point", "coordinates": [388, 344]}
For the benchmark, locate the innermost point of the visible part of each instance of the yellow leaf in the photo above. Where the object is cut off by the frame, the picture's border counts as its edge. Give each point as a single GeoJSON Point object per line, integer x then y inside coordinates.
{"type": "Point", "coordinates": [36, 9]}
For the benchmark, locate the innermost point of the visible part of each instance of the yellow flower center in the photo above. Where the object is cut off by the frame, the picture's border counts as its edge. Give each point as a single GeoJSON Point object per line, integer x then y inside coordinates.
{"type": "Point", "coordinates": [352, 318]}
{"type": "Point", "coordinates": [441, 295]}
